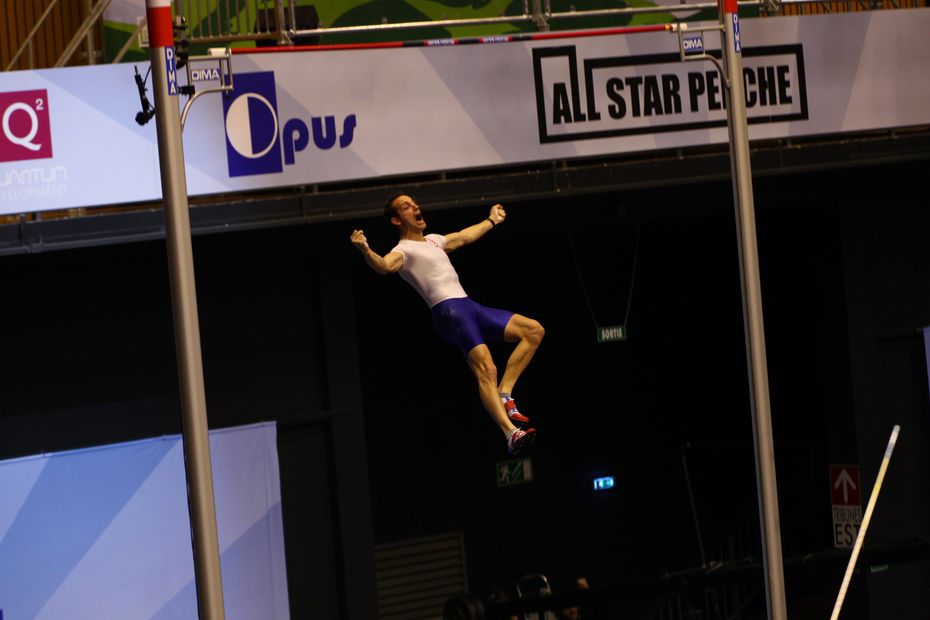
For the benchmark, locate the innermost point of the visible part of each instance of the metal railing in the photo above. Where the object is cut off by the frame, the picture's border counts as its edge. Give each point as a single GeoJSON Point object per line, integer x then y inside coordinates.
{"type": "Point", "coordinates": [276, 22]}
{"type": "Point", "coordinates": [276, 19]}
{"type": "Point", "coordinates": [238, 20]}
{"type": "Point", "coordinates": [58, 23]}
{"type": "Point", "coordinates": [246, 23]}
{"type": "Point", "coordinates": [27, 45]}
{"type": "Point", "coordinates": [85, 33]}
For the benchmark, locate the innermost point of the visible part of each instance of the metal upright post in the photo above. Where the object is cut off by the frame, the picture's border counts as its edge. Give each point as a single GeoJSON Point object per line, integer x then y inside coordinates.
{"type": "Point", "coordinates": [89, 39]}
{"type": "Point", "coordinates": [540, 16]}
{"type": "Point", "coordinates": [184, 305]}
{"type": "Point", "coordinates": [281, 23]}
{"type": "Point", "coordinates": [752, 312]}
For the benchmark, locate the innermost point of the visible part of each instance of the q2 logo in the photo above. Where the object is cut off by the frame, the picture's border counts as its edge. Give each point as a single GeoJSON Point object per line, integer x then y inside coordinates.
{"type": "Point", "coordinates": [25, 130]}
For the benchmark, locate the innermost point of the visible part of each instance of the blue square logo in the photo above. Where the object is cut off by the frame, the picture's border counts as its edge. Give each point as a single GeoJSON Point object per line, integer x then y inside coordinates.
{"type": "Point", "coordinates": [250, 113]}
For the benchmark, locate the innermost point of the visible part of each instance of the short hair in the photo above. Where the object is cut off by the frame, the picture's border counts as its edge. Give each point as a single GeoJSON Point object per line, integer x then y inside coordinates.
{"type": "Point", "coordinates": [390, 211]}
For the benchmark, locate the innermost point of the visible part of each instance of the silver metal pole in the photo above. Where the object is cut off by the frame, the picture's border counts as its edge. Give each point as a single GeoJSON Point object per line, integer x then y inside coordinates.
{"type": "Point", "coordinates": [132, 39]}
{"type": "Point", "coordinates": [539, 16]}
{"type": "Point", "coordinates": [283, 39]}
{"type": "Point", "coordinates": [439, 23]}
{"type": "Point", "coordinates": [184, 306]}
{"type": "Point", "coordinates": [82, 32]}
{"type": "Point", "coordinates": [89, 39]}
{"type": "Point", "coordinates": [752, 313]}
{"type": "Point", "coordinates": [667, 8]}
{"type": "Point", "coordinates": [697, 523]}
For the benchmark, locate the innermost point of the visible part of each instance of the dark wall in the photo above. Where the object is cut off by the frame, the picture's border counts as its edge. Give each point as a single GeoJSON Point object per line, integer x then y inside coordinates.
{"type": "Point", "coordinates": [887, 263]}
{"type": "Point", "coordinates": [670, 400]}
{"type": "Point", "coordinates": [92, 327]}
{"type": "Point", "coordinates": [622, 408]}
{"type": "Point", "coordinates": [382, 436]}
{"type": "Point", "coordinates": [89, 358]}
{"type": "Point", "coordinates": [625, 409]}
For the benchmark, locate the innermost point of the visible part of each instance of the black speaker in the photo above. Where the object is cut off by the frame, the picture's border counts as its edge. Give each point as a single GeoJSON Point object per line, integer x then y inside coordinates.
{"type": "Point", "coordinates": [305, 16]}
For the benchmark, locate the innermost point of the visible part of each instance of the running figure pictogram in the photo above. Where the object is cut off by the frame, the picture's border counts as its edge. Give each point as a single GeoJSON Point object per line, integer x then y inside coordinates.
{"type": "Point", "coordinates": [423, 261]}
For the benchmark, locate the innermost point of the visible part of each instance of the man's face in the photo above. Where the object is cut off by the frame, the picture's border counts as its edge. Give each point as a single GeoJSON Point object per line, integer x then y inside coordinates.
{"type": "Point", "coordinates": [408, 213]}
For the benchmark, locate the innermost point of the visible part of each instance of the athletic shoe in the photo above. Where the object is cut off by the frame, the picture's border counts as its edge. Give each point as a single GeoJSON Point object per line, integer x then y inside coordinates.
{"type": "Point", "coordinates": [514, 414]}
{"type": "Point", "coordinates": [520, 439]}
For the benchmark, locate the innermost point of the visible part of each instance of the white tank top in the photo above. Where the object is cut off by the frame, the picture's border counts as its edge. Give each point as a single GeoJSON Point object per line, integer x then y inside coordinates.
{"type": "Point", "coordinates": [428, 269]}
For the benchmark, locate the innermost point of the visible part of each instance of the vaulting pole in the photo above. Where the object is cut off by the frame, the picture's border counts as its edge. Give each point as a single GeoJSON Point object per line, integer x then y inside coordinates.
{"type": "Point", "coordinates": [752, 313]}
{"type": "Point", "coordinates": [860, 537]}
{"type": "Point", "coordinates": [184, 306]}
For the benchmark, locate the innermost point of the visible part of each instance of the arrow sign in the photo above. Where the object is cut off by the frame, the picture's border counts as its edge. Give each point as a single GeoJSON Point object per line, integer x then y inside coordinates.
{"type": "Point", "coordinates": [846, 498]}
{"type": "Point", "coordinates": [844, 485]}
{"type": "Point", "coordinates": [845, 481]}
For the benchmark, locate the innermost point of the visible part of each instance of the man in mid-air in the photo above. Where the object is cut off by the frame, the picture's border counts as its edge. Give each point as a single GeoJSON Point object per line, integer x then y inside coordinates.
{"type": "Point", "coordinates": [423, 261]}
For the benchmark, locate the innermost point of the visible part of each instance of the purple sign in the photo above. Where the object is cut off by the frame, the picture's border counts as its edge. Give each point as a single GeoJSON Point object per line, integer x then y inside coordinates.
{"type": "Point", "coordinates": [25, 130]}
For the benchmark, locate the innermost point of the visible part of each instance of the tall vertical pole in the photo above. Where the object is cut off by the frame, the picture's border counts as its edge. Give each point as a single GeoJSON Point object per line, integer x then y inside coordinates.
{"type": "Point", "coordinates": [540, 15]}
{"type": "Point", "coordinates": [752, 313]}
{"type": "Point", "coordinates": [184, 306]}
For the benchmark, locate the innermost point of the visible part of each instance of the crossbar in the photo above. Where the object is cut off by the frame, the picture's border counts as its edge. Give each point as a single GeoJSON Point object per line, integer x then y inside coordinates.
{"type": "Point", "coordinates": [504, 38]}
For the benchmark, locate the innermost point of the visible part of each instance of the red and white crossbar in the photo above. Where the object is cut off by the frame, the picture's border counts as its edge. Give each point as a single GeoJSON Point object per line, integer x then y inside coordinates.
{"type": "Point", "coordinates": [502, 38]}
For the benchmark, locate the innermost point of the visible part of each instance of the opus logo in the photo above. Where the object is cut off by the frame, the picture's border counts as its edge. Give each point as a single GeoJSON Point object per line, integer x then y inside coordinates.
{"type": "Point", "coordinates": [25, 130]}
{"type": "Point", "coordinates": [258, 143]}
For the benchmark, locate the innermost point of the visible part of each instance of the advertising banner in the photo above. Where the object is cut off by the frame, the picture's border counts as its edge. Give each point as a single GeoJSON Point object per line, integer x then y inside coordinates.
{"type": "Point", "coordinates": [69, 138]}
{"type": "Point", "coordinates": [105, 533]}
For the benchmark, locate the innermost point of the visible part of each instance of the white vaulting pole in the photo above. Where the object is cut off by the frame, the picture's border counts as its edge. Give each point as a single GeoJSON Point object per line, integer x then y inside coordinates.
{"type": "Point", "coordinates": [195, 431]}
{"type": "Point", "coordinates": [865, 523]}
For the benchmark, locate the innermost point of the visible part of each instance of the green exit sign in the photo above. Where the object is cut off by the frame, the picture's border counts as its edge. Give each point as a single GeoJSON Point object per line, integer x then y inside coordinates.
{"type": "Point", "coordinates": [614, 333]}
{"type": "Point", "coordinates": [514, 472]}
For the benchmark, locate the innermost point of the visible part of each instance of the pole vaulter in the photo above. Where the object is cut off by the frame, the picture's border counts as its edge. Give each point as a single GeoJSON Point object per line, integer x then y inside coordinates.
{"type": "Point", "coordinates": [741, 172]}
{"type": "Point", "coordinates": [195, 432]}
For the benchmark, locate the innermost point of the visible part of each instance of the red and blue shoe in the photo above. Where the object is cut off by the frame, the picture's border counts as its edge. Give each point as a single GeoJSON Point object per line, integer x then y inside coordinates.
{"type": "Point", "coordinates": [520, 439]}
{"type": "Point", "coordinates": [514, 414]}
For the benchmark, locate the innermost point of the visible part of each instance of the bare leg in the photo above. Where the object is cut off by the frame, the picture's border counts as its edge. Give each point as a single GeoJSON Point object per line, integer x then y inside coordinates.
{"type": "Point", "coordinates": [482, 365]}
{"type": "Point", "coordinates": [528, 334]}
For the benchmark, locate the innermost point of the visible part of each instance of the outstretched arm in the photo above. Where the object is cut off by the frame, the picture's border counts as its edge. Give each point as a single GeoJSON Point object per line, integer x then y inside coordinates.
{"type": "Point", "coordinates": [473, 233]}
{"type": "Point", "coordinates": [389, 263]}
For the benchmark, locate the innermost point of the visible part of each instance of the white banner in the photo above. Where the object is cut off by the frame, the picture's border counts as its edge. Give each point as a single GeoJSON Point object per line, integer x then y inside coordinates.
{"type": "Point", "coordinates": [105, 532]}
{"type": "Point", "coordinates": [69, 139]}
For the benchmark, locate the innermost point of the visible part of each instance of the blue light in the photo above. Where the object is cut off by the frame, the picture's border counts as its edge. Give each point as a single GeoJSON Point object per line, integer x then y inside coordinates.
{"type": "Point", "coordinates": [602, 484]}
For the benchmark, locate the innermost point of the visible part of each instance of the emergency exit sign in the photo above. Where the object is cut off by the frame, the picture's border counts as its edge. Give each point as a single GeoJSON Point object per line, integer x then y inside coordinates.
{"type": "Point", "coordinates": [514, 472]}
{"type": "Point", "coordinates": [615, 333]}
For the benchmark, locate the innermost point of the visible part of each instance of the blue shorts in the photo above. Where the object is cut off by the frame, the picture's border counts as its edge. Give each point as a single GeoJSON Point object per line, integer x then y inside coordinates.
{"type": "Point", "coordinates": [466, 323]}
